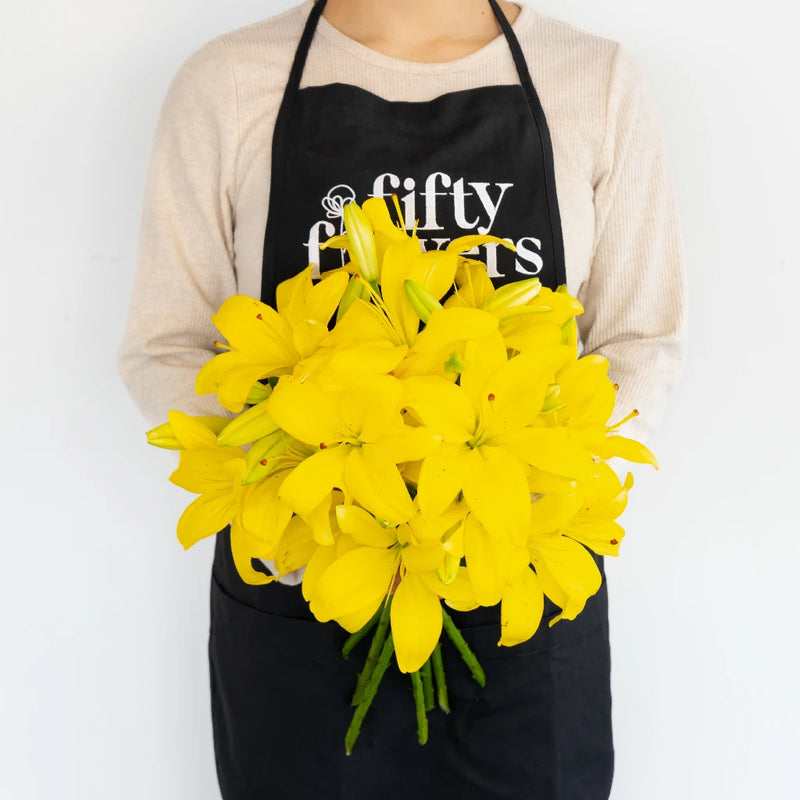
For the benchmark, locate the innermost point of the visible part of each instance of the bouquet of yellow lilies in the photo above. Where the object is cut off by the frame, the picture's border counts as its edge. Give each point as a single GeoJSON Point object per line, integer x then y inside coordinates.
{"type": "Point", "coordinates": [413, 456]}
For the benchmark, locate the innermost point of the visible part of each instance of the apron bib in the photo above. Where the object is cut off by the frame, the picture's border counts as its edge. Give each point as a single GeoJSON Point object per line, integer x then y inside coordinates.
{"type": "Point", "coordinates": [474, 161]}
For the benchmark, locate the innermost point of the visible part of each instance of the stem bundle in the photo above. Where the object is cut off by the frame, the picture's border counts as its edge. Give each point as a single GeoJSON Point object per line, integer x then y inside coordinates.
{"type": "Point", "coordinates": [428, 683]}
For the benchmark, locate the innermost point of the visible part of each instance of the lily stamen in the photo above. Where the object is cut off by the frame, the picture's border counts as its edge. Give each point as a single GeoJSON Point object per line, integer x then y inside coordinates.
{"type": "Point", "coordinates": [634, 413]}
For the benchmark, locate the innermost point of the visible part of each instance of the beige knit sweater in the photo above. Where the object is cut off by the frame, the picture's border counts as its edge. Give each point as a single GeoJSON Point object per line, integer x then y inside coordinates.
{"type": "Point", "coordinates": [207, 194]}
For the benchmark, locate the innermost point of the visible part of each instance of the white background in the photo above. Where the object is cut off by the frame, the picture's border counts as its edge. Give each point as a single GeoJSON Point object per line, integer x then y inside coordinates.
{"type": "Point", "coordinates": [104, 678]}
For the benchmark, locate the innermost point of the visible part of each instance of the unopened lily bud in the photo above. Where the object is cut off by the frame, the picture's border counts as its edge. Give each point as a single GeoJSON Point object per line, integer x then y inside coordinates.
{"type": "Point", "coordinates": [513, 294]}
{"type": "Point", "coordinates": [253, 424]}
{"type": "Point", "coordinates": [361, 241]}
{"type": "Point", "coordinates": [355, 290]}
{"type": "Point", "coordinates": [258, 394]}
{"type": "Point", "coordinates": [163, 436]}
{"type": "Point", "coordinates": [422, 301]}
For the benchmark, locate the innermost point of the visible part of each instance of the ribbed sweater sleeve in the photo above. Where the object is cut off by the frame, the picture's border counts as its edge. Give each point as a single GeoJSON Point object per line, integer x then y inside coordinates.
{"type": "Point", "coordinates": [184, 267]}
{"type": "Point", "coordinates": [634, 299]}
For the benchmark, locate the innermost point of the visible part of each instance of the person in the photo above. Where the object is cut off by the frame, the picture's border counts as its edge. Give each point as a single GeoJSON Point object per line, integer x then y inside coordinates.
{"type": "Point", "coordinates": [482, 116]}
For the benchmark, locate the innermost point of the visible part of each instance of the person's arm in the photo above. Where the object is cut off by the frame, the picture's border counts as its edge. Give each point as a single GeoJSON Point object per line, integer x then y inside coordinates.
{"type": "Point", "coordinates": [185, 266]}
{"type": "Point", "coordinates": [634, 299]}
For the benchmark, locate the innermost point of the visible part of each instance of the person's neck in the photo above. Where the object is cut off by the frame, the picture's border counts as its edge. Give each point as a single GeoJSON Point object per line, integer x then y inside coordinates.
{"type": "Point", "coordinates": [419, 30]}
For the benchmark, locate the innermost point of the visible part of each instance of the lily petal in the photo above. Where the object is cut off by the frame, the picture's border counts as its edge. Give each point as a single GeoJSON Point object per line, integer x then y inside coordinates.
{"type": "Point", "coordinates": [567, 573]}
{"type": "Point", "coordinates": [481, 563]}
{"type": "Point", "coordinates": [296, 546]}
{"type": "Point", "coordinates": [363, 527]}
{"type": "Point", "coordinates": [629, 449]}
{"type": "Point", "coordinates": [313, 478]}
{"type": "Point", "coordinates": [325, 296]}
{"type": "Point", "coordinates": [424, 557]}
{"type": "Point", "coordinates": [377, 485]}
{"type": "Point", "coordinates": [205, 516]}
{"type": "Point", "coordinates": [474, 285]}
{"type": "Point", "coordinates": [264, 516]}
{"type": "Point", "coordinates": [552, 512]}
{"type": "Point", "coordinates": [255, 330]}
{"type": "Point", "coordinates": [416, 618]}
{"type": "Point", "coordinates": [370, 408]}
{"type": "Point", "coordinates": [442, 406]}
{"type": "Point", "coordinates": [521, 609]}
{"type": "Point", "coordinates": [244, 550]}
{"type": "Point", "coordinates": [305, 410]}
{"type": "Point", "coordinates": [441, 477]}
{"type": "Point", "coordinates": [496, 489]}
{"type": "Point", "coordinates": [457, 594]}
{"type": "Point", "coordinates": [232, 375]}
{"type": "Point", "coordinates": [549, 449]}
{"type": "Point", "coordinates": [513, 396]}
{"type": "Point", "coordinates": [482, 359]}
{"type": "Point", "coordinates": [359, 579]}
{"type": "Point", "coordinates": [411, 444]}
{"type": "Point", "coordinates": [319, 562]}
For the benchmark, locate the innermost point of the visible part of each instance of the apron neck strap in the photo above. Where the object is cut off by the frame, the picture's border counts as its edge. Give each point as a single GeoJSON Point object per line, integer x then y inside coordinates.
{"type": "Point", "coordinates": [293, 84]}
{"type": "Point", "coordinates": [319, 6]}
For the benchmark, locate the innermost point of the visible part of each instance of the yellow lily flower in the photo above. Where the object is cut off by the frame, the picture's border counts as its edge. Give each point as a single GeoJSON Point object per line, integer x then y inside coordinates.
{"type": "Point", "coordinates": [256, 514]}
{"type": "Point", "coordinates": [434, 270]}
{"type": "Point", "coordinates": [473, 285]}
{"type": "Point", "coordinates": [604, 500]}
{"type": "Point", "coordinates": [530, 315]}
{"type": "Point", "coordinates": [263, 342]}
{"type": "Point", "coordinates": [360, 436]}
{"type": "Point", "coordinates": [164, 437]}
{"type": "Point", "coordinates": [589, 397]}
{"type": "Point", "coordinates": [586, 512]}
{"type": "Point", "coordinates": [401, 258]}
{"type": "Point", "coordinates": [213, 472]}
{"type": "Point", "coordinates": [385, 230]}
{"type": "Point", "coordinates": [492, 562]}
{"type": "Point", "coordinates": [567, 573]}
{"type": "Point", "coordinates": [258, 527]}
{"type": "Point", "coordinates": [443, 341]}
{"type": "Point", "coordinates": [487, 440]}
{"type": "Point", "coordinates": [411, 552]}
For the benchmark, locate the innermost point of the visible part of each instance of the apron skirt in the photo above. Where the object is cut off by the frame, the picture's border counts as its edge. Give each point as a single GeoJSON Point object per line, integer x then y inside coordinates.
{"type": "Point", "coordinates": [280, 690]}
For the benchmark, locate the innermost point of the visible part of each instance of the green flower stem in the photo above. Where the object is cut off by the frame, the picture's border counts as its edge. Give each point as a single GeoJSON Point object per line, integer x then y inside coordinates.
{"type": "Point", "coordinates": [470, 659]}
{"type": "Point", "coordinates": [427, 685]}
{"type": "Point", "coordinates": [374, 650]}
{"type": "Point", "coordinates": [356, 637]}
{"type": "Point", "coordinates": [419, 702]}
{"type": "Point", "coordinates": [438, 676]}
{"type": "Point", "coordinates": [369, 692]}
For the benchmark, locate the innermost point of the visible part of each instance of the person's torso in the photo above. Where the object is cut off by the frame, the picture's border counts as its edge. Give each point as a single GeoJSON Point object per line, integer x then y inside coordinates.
{"type": "Point", "coordinates": [557, 55]}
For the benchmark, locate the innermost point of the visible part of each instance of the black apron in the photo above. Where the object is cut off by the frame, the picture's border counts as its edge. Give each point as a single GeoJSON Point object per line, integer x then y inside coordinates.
{"type": "Point", "coordinates": [474, 161]}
